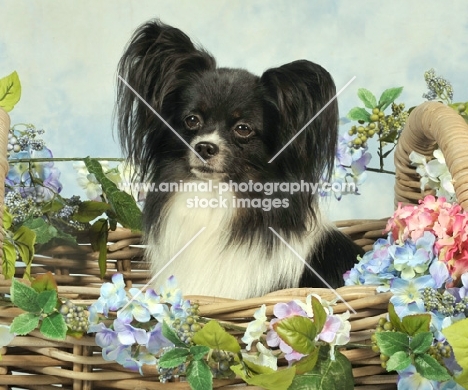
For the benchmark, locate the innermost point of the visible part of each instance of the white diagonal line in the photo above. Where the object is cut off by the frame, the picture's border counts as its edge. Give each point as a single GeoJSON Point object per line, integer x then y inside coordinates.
{"type": "Point", "coordinates": [160, 117]}
{"type": "Point", "coordinates": [314, 271]}
{"type": "Point", "coordinates": [163, 268]}
{"type": "Point", "coordinates": [315, 116]}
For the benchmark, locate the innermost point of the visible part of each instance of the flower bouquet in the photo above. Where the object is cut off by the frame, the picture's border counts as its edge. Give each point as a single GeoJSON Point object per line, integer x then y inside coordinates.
{"type": "Point", "coordinates": [80, 315]}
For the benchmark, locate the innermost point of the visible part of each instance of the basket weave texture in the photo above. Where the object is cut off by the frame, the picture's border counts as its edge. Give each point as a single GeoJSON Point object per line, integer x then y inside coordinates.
{"type": "Point", "coordinates": [34, 362]}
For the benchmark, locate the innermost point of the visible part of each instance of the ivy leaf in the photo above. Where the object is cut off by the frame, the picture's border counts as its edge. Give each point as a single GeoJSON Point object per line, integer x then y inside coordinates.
{"type": "Point", "coordinates": [9, 260]}
{"type": "Point", "coordinates": [98, 234]}
{"type": "Point", "coordinates": [123, 204]}
{"type": "Point", "coordinates": [199, 351]}
{"type": "Point", "coordinates": [398, 361]}
{"type": "Point", "coordinates": [7, 219]}
{"type": "Point", "coordinates": [320, 316]}
{"type": "Point", "coordinates": [169, 334]}
{"type": "Point", "coordinates": [44, 282]}
{"type": "Point", "coordinates": [367, 97]}
{"type": "Point", "coordinates": [298, 332]}
{"type": "Point", "coordinates": [54, 327]}
{"type": "Point", "coordinates": [392, 342]}
{"type": "Point", "coordinates": [214, 336]}
{"type": "Point", "coordinates": [430, 368]}
{"type": "Point", "coordinates": [388, 97]}
{"type": "Point", "coordinates": [421, 342]}
{"type": "Point", "coordinates": [417, 323]}
{"type": "Point", "coordinates": [24, 323]}
{"type": "Point", "coordinates": [174, 357]}
{"type": "Point", "coordinates": [457, 336]}
{"type": "Point", "coordinates": [10, 91]}
{"type": "Point", "coordinates": [24, 297]}
{"type": "Point", "coordinates": [269, 379]}
{"type": "Point", "coordinates": [359, 114]}
{"type": "Point", "coordinates": [90, 210]}
{"type": "Point", "coordinates": [199, 375]}
{"type": "Point", "coordinates": [44, 231]}
{"type": "Point", "coordinates": [328, 374]}
{"type": "Point", "coordinates": [47, 300]}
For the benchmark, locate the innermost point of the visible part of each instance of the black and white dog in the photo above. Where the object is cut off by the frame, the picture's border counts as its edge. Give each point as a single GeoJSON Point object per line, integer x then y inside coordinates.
{"type": "Point", "coordinates": [235, 123]}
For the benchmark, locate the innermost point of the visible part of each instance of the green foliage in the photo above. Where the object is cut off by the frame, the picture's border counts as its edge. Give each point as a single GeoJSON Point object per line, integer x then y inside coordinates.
{"type": "Point", "coordinates": [10, 91]}
{"type": "Point", "coordinates": [457, 336]}
{"type": "Point", "coordinates": [40, 304]}
{"type": "Point", "coordinates": [298, 332]}
{"type": "Point", "coordinates": [266, 378]}
{"type": "Point", "coordinates": [327, 374]}
{"type": "Point", "coordinates": [409, 343]}
{"type": "Point", "coordinates": [214, 336]}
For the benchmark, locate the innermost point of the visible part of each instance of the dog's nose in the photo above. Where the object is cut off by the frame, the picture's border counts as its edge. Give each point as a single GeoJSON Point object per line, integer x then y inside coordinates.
{"type": "Point", "coordinates": [207, 149]}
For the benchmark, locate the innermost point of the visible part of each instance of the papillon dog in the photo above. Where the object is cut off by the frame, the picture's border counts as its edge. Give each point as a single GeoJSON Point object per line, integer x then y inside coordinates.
{"type": "Point", "coordinates": [194, 129]}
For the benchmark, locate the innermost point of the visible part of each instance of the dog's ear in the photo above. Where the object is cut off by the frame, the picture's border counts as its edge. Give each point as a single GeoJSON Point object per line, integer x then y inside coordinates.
{"type": "Point", "coordinates": [158, 63]}
{"type": "Point", "coordinates": [296, 92]}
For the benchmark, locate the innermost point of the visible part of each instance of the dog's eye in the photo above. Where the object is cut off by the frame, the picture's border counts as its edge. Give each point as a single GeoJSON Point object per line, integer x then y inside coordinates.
{"type": "Point", "coordinates": [243, 130]}
{"type": "Point", "coordinates": [192, 122]}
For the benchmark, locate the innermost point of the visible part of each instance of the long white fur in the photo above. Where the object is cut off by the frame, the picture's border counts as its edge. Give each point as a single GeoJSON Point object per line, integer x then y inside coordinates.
{"type": "Point", "coordinates": [207, 267]}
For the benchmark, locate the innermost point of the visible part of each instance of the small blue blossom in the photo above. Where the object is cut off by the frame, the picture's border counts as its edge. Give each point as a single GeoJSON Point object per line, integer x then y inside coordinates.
{"type": "Point", "coordinates": [409, 291]}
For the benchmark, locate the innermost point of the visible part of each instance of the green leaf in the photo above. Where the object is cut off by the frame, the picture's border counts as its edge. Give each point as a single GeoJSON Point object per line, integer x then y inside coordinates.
{"type": "Point", "coordinates": [44, 282]}
{"type": "Point", "coordinates": [417, 323]}
{"type": "Point", "coordinates": [9, 260]}
{"type": "Point", "coordinates": [392, 342]}
{"type": "Point", "coordinates": [24, 323]}
{"type": "Point", "coordinates": [398, 361]}
{"type": "Point", "coordinates": [199, 351]}
{"type": "Point", "coordinates": [298, 332]}
{"type": "Point", "coordinates": [44, 232]}
{"type": "Point", "coordinates": [90, 210]}
{"type": "Point", "coordinates": [24, 297]}
{"type": "Point", "coordinates": [359, 114]}
{"type": "Point", "coordinates": [327, 375]}
{"type": "Point", "coordinates": [430, 368]}
{"type": "Point", "coordinates": [7, 219]}
{"type": "Point", "coordinates": [27, 238]}
{"type": "Point", "coordinates": [123, 204]}
{"type": "Point", "coordinates": [54, 327]}
{"type": "Point", "coordinates": [388, 97]}
{"type": "Point", "coordinates": [421, 342]}
{"type": "Point", "coordinates": [98, 234]}
{"type": "Point", "coordinates": [174, 357]}
{"type": "Point", "coordinates": [394, 318]}
{"type": "Point", "coordinates": [270, 379]}
{"type": "Point", "coordinates": [320, 315]}
{"type": "Point", "coordinates": [10, 91]}
{"type": "Point", "coordinates": [457, 336]}
{"type": "Point", "coordinates": [214, 336]}
{"type": "Point", "coordinates": [47, 300]}
{"type": "Point", "coordinates": [367, 97]}
{"type": "Point", "coordinates": [199, 375]}
{"type": "Point", "coordinates": [307, 363]}
{"type": "Point", "coordinates": [169, 334]}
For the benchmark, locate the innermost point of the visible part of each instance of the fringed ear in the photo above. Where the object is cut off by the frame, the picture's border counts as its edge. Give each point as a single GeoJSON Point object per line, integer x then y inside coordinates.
{"type": "Point", "coordinates": [158, 63]}
{"type": "Point", "coordinates": [297, 92]}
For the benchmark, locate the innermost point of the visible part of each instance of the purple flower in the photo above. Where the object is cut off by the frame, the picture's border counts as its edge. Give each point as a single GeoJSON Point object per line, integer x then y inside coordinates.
{"type": "Point", "coordinates": [128, 334]}
{"type": "Point", "coordinates": [156, 340]}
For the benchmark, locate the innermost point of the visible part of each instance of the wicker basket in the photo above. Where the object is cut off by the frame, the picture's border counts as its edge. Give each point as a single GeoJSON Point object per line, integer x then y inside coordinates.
{"type": "Point", "coordinates": [34, 362]}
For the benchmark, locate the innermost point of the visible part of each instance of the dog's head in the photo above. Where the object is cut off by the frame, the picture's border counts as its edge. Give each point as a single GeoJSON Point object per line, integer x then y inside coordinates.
{"type": "Point", "coordinates": [233, 121]}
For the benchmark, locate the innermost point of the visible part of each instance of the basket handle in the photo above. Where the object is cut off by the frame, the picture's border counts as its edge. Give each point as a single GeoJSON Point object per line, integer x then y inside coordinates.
{"type": "Point", "coordinates": [4, 129]}
{"type": "Point", "coordinates": [429, 125]}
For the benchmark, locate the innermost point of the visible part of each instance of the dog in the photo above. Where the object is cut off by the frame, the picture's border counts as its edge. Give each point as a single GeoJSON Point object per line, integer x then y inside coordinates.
{"type": "Point", "coordinates": [182, 120]}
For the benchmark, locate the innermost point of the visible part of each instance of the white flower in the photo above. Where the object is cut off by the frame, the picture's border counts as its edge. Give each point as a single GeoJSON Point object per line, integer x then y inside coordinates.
{"type": "Point", "coordinates": [5, 336]}
{"type": "Point", "coordinates": [90, 184]}
{"type": "Point", "coordinates": [256, 328]}
{"type": "Point", "coordinates": [264, 357]}
{"type": "Point", "coordinates": [336, 331]}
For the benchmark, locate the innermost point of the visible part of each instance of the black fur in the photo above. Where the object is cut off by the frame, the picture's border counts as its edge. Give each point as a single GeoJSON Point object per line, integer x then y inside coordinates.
{"type": "Point", "coordinates": [179, 80]}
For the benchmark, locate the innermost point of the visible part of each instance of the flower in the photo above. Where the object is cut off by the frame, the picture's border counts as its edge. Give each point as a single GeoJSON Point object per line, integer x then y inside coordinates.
{"type": "Point", "coordinates": [255, 328]}
{"type": "Point", "coordinates": [409, 291]}
{"type": "Point", "coordinates": [336, 331]}
{"type": "Point", "coordinates": [264, 357]}
{"type": "Point", "coordinates": [113, 296]}
{"type": "Point", "coordinates": [5, 336]}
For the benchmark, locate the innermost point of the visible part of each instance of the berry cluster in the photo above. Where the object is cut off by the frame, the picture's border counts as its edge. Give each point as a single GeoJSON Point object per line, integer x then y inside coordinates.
{"type": "Point", "coordinates": [440, 351]}
{"type": "Point", "coordinates": [220, 364]}
{"type": "Point", "coordinates": [439, 88]}
{"type": "Point", "coordinates": [75, 316]}
{"type": "Point", "coordinates": [20, 140]}
{"type": "Point", "coordinates": [21, 208]}
{"type": "Point", "coordinates": [444, 303]}
{"type": "Point", "coordinates": [383, 326]}
{"type": "Point", "coordinates": [385, 126]}
{"type": "Point", "coordinates": [166, 374]}
{"type": "Point", "coordinates": [186, 327]}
